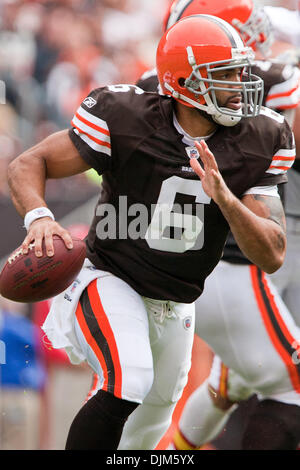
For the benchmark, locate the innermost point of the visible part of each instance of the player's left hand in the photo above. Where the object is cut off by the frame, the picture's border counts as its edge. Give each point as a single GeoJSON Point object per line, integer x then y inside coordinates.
{"type": "Point", "coordinates": [212, 181]}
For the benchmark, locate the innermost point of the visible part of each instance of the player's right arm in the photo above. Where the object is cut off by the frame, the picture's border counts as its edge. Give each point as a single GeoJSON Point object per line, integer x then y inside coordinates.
{"type": "Point", "coordinates": [54, 157]}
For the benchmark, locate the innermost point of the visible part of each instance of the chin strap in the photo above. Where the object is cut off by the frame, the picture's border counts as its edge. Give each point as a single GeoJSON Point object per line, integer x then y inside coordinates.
{"type": "Point", "coordinates": [219, 118]}
{"type": "Point", "coordinates": [175, 94]}
{"type": "Point", "coordinates": [226, 120]}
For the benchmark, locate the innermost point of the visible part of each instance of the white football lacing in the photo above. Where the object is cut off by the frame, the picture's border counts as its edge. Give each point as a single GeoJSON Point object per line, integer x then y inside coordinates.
{"type": "Point", "coordinates": [18, 253]}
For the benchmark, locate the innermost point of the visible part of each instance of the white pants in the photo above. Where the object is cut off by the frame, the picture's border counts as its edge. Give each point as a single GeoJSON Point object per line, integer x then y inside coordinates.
{"type": "Point", "coordinates": [243, 319]}
{"type": "Point", "coordinates": [141, 350]}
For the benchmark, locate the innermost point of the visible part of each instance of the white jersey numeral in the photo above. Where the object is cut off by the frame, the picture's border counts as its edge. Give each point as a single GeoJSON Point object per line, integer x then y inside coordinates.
{"type": "Point", "coordinates": [121, 88]}
{"type": "Point", "coordinates": [170, 216]}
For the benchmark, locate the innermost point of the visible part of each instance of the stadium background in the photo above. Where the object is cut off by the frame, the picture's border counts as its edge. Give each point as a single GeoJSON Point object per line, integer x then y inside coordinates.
{"type": "Point", "coordinates": [51, 54]}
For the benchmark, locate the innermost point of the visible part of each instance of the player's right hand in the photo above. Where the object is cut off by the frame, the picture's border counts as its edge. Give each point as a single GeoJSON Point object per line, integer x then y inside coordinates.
{"type": "Point", "coordinates": [44, 229]}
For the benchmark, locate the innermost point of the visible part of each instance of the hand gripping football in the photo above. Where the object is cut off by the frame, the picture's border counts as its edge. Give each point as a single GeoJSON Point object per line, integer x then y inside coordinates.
{"type": "Point", "coordinates": [27, 278]}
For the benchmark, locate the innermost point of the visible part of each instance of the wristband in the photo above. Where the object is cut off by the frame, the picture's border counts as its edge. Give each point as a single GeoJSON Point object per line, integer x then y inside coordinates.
{"type": "Point", "coordinates": [35, 214]}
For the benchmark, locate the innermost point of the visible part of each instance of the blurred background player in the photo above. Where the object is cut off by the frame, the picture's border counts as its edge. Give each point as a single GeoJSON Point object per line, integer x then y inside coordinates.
{"type": "Point", "coordinates": [286, 27]}
{"type": "Point", "coordinates": [281, 93]}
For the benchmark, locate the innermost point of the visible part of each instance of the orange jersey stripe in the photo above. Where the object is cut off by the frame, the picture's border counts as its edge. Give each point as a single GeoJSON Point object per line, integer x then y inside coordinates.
{"type": "Point", "coordinates": [280, 167]}
{"type": "Point", "coordinates": [290, 106]}
{"type": "Point", "coordinates": [94, 126]}
{"type": "Point", "coordinates": [290, 159]}
{"type": "Point", "coordinates": [92, 343]}
{"type": "Point", "coordinates": [98, 141]}
{"type": "Point", "coordinates": [105, 327]}
{"type": "Point", "coordinates": [281, 95]}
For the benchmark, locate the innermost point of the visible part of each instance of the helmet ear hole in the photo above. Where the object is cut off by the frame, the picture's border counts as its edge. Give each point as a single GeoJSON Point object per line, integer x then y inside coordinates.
{"type": "Point", "coordinates": [181, 82]}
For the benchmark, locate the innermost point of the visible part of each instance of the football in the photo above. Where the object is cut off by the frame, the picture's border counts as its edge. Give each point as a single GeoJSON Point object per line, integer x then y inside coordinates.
{"type": "Point", "coordinates": [27, 278]}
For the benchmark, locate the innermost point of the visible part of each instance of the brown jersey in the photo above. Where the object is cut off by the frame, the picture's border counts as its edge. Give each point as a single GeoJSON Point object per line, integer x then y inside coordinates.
{"type": "Point", "coordinates": [129, 137]}
{"type": "Point", "coordinates": [281, 91]}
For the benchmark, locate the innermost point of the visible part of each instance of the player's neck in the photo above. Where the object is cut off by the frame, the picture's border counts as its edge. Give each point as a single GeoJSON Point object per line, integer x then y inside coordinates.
{"type": "Point", "coordinates": [193, 122]}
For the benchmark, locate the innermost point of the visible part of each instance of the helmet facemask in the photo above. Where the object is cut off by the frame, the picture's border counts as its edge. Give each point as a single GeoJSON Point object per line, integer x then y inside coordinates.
{"type": "Point", "coordinates": [257, 31]}
{"type": "Point", "coordinates": [204, 87]}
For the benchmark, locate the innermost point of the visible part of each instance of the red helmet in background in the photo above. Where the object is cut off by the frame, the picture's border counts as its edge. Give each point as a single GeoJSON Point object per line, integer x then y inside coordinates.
{"type": "Point", "coordinates": [191, 51]}
{"type": "Point", "coordinates": [249, 19]}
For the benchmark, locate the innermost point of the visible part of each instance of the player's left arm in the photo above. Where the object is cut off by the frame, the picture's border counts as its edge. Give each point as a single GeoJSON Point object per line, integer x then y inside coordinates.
{"type": "Point", "coordinates": [264, 228]}
{"type": "Point", "coordinates": [257, 222]}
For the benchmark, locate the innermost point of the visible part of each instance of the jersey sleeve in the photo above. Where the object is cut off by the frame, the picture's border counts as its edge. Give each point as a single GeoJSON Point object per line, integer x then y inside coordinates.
{"type": "Point", "coordinates": [90, 132]}
{"type": "Point", "coordinates": [284, 153]}
{"type": "Point", "coordinates": [286, 93]}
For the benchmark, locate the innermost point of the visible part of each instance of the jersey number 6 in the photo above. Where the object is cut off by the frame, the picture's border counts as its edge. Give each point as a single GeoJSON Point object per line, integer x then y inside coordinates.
{"type": "Point", "coordinates": [170, 218]}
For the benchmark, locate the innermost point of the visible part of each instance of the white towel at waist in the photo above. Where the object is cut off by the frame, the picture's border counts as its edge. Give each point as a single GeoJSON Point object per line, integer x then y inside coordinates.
{"type": "Point", "coordinates": [59, 325]}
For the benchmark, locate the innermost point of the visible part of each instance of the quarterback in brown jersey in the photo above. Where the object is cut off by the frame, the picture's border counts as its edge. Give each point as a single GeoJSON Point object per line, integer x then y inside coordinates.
{"type": "Point", "coordinates": [237, 296]}
{"type": "Point", "coordinates": [160, 227]}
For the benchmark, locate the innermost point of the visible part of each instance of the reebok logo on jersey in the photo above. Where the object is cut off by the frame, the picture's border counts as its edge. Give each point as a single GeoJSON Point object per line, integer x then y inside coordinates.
{"type": "Point", "coordinates": [89, 102]}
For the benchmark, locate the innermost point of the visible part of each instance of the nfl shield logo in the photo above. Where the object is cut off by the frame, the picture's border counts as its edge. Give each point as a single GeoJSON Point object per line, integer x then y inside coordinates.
{"type": "Point", "coordinates": [187, 323]}
{"type": "Point", "coordinates": [74, 285]}
{"type": "Point", "coordinates": [192, 152]}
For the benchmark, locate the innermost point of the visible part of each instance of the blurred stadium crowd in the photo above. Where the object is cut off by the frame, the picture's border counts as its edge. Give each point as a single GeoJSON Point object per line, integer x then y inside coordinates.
{"type": "Point", "coordinates": [52, 53]}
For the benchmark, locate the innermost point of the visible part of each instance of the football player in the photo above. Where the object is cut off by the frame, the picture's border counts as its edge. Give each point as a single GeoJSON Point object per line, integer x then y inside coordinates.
{"type": "Point", "coordinates": [234, 295]}
{"type": "Point", "coordinates": [188, 163]}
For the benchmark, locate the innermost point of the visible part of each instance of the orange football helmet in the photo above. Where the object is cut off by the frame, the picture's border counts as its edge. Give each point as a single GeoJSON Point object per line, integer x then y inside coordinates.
{"type": "Point", "coordinates": [249, 19]}
{"type": "Point", "coordinates": [191, 51]}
